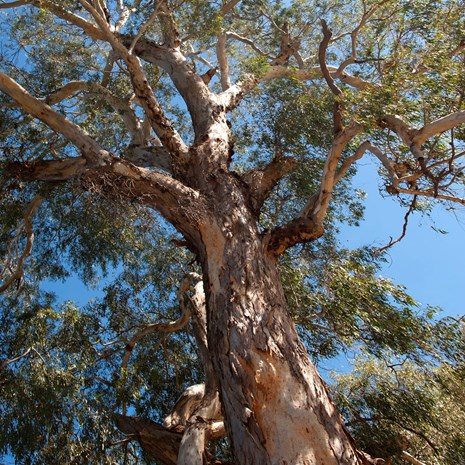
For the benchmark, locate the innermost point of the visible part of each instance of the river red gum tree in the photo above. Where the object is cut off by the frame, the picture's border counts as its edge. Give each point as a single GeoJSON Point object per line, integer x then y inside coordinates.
{"type": "Point", "coordinates": [276, 408]}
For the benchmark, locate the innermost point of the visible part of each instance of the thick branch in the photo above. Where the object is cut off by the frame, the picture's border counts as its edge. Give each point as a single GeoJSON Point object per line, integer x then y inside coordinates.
{"type": "Point", "coordinates": [261, 181]}
{"type": "Point", "coordinates": [89, 148]}
{"type": "Point", "coordinates": [400, 127]}
{"type": "Point", "coordinates": [157, 441]}
{"type": "Point", "coordinates": [200, 102]}
{"type": "Point", "coordinates": [150, 157]}
{"type": "Point", "coordinates": [223, 61]}
{"type": "Point", "coordinates": [93, 31]}
{"type": "Point", "coordinates": [13, 4]}
{"type": "Point", "coordinates": [438, 126]}
{"type": "Point", "coordinates": [168, 25]}
{"type": "Point", "coordinates": [118, 178]}
{"type": "Point", "coordinates": [327, 33]}
{"type": "Point", "coordinates": [317, 209]}
{"type": "Point", "coordinates": [297, 231]}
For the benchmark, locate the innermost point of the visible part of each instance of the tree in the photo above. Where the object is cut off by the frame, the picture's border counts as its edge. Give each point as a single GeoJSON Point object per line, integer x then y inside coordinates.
{"type": "Point", "coordinates": [230, 130]}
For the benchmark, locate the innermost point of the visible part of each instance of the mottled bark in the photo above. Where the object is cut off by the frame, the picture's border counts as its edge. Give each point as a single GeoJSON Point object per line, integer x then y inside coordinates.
{"type": "Point", "coordinates": [277, 409]}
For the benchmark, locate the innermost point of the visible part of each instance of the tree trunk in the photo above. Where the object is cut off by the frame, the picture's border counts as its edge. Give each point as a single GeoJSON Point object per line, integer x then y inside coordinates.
{"type": "Point", "coordinates": [277, 409]}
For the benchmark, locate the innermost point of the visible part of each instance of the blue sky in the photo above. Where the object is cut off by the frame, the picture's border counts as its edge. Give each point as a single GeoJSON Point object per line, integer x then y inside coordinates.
{"type": "Point", "coordinates": [428, 263]}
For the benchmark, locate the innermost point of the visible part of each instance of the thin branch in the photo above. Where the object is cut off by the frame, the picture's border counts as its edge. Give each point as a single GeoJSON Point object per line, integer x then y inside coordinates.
{"type": "Point", "coordinates": [128, 115]}
{"type": "Point", "coordinates": [245, 40]}
{"type": "Point", "coordinates": [31, 210]}
{"type": "Point", "coordinates": [5, 363]}
{"type": "Point", "coordinates": [404, 227]}
{"type": "Point", "coordinates": [166, 327]}
{"type": "Point", "coordinates": [387, 163]}
{"type": "Point", "coordinates": [349, 161]}
{"type": "Point", "coordinates": [434, 195]}
{"type": "Point", "coordinates": [234, 95]}
{"type": "Point", "coordinates": [145, 26]}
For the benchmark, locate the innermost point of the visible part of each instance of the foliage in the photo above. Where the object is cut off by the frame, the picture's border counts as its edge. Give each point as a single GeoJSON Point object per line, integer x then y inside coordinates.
{"type": "Point", "coordinates": [62, 366]}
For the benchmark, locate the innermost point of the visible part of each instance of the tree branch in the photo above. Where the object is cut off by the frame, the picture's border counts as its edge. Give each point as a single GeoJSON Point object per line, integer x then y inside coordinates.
{"type": "Point", "coordinates": [404, 227]}
{"type": "Point", "coordinates": [128, 115]}
{"type": "Point", "coordinates": [5, 363]}
{"type": "Point", "coordinates": [261, 181]}
{"type": "Point", "coordinates": [233, 96]}
{"type": "Point", "coordinates": [89, 148]}
{"type": "Point", "coordinates": [93, 31]}
{"type": "Point", "coordinates": [327, 33]}
{"type": "Point", "coordinates": [317, 208]}
{"type": "Point", "coordinates": [150, 157]}
{"type": "Point", "coordinates": [295, 232]}
{"type": "Point", "coordinates": [13, 4]}
{"type": "Point", "coordinates": [157, 441]}
{"type": "Point", "coordinates": [410, 458]}
{"type": "Point", "coordinates": [223, 61]}
{"type": "Point", "coordinates": [160, 124]}
{"type": "Point", "coordinates": [438, 126]}
{"type": "Point", "coordinates": [17, 274]}
{"type": "Point", "coordinates": [168, 25]}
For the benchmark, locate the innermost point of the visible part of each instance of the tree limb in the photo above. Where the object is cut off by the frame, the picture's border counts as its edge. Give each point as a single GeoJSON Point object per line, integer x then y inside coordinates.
{"type": "Point", "coordinates": [327, 33]}
{"type": "Point", "coordinates": [31, 210]}
{"type": "Point", "coordinates": [410, 458]}
{"type": "Point", "coordinates": [93, 31]}
{"type": "Point", "coordinates": [317, 208]}
{"type": "Point", "coordinates": [438, 126]}
{"type": "Point", "coordinates": [150, 157]}
{"type": "Point", "coordinates": [295, 232]}
{"type": "Point", "coordinates": [5, 363]}
{"type": "Point", "coordinates": [261, 181]}
{"type": "Point", "coordinates": [223, 61]}
{"type": "Point", "coordinates": [233, 96]}
{"type": "Point", "coordinates": [89, 148]}
{"type": "Point", "coordinates": [13, 4]}
{"type": "Point", "coordinates": [128, 115]}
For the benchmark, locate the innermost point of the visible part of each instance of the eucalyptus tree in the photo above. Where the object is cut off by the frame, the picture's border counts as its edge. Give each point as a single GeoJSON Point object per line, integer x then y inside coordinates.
{"type": "Point", "coordinates": [239, 123]}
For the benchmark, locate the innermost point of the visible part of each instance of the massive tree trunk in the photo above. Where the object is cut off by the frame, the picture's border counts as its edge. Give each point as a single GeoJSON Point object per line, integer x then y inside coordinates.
{"type": "Point", "coordinates": [277, 409]}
